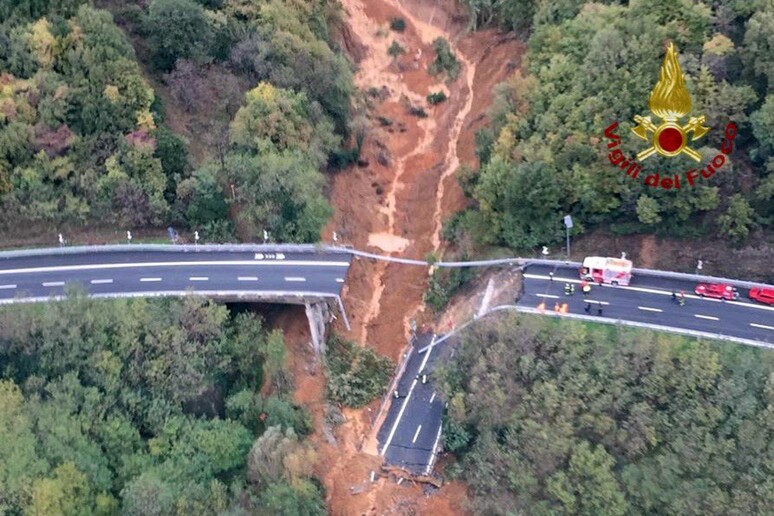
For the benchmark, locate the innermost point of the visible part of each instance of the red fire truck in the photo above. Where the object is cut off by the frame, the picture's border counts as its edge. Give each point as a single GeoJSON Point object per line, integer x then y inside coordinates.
{"type": "Point", "coordinates": [599, 269]}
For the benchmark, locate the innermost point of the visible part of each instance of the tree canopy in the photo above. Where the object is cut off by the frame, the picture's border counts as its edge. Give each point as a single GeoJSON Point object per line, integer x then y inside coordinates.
{"type": "Point", "coordinates": [558, 417]}
{"type": "Point", "coordinates": [146, 407]}
{"type": "Point", "coordinates": [585, 69]}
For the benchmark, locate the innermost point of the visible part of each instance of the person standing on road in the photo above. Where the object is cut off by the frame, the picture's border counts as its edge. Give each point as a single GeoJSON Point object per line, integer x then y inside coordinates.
{"type": "Point", "coordinates": [585, 287]}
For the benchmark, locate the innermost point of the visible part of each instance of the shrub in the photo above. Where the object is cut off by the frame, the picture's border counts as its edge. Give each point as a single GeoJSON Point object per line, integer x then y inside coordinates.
{"type": "Point", "coordinates": [436, 97]}
{"type": "Point", "coordinates": [355, 375]}
{"type": "Point", "coordinates": [398, 24]}
{"type": "Point", "coordinates": [396, 49]}
{"type": "Point", "coordinates": [445, 60]}
{"type": "Point", "coordinates": [417, 112]}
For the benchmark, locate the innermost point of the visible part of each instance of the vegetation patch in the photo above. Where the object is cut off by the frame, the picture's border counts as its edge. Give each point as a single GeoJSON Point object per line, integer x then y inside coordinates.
{"type": "Point", "coordinates": [396, 49]}
{"type": "Point", "coordinates": [582, 418]}
{"type": "Point", "coordinates": [436, 97]}
{"type": "Point", "coordinates": [356, 375]}
{"type": "Point", "coordinates": [445, 60]}
{"type": "Point", "coordinates": [397, 24]}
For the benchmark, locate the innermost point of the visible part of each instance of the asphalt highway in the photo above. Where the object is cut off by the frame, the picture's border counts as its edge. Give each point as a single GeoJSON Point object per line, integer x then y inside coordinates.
{"type": "Point", "coordinates": [648, 299]}
{"type": "Point", "coordinates": [129, 272]}
{"type": "Point", "coordinates": [412, 429]}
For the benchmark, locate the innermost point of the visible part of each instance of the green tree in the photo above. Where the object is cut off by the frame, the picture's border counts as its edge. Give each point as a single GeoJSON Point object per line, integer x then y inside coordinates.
{"type": "Point", "coordinates": [648, 210]}
{"type": "Point", "coordinates": [280, 192]}
{"type": "Point", "coordinates": [737, 220]}
{"type": "Point", "coordinates": [178, 29]}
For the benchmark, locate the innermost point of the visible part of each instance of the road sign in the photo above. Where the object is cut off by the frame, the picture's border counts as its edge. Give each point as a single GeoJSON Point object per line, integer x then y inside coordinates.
{"type": "Point", "coordinates": [568, 222]}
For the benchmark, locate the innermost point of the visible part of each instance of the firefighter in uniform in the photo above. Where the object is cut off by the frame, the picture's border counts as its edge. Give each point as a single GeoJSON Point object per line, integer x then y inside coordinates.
{"type": "Point", "coordinates": [585, 287]}
{"type": "Point", "coordinates": [569, 289]}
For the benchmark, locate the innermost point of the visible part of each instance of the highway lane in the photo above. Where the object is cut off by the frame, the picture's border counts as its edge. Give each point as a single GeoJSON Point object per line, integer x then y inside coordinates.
{"type": "Point", "coordinates": [412, 429]}
{"type": "Point", "coordinates": [129, 272]}
{"type": "Point", "coordinates": [648, 300]}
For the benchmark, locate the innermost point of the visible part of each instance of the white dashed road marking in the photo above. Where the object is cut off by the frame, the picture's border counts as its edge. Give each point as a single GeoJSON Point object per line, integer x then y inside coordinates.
{"type": "Point", "coordinates": [549, 296]}
{"type": "Point", "coordinates": [53, 284]}
{"type": "Point", "coordinates": [432, 397]}
{"type": "Point", "coordinates": [339, 280]}
{"type": "Point", "coordinates": [146, 280]}
{"type": "Point", "coordinates": [248, 278]}
{"type": "Point", "coordinates": [294, 278]}
{"type": "Point", "coordinates": [649, 309]}
{"type": "Point", "coordinates": [7, 287]}
{"type": "Point", "coordinates": [707, 317]}
{"type": "Point", "coordinates": [416, 434]}
{"type": "Point", "coordinates": [198, 278]}
{"type": "Point", "coordinates": [762, 326]}
{"type": "Point", "coordinates": [101, 281]}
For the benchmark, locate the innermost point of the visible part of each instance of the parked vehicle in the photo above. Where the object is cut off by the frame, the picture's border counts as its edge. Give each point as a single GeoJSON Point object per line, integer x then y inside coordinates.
{"type": "Point", "coordinates": [615, 271]}
{"type": "Point", "coordinates": [762, 295]}
{"type": "Point", "coordinates": [723, 291]}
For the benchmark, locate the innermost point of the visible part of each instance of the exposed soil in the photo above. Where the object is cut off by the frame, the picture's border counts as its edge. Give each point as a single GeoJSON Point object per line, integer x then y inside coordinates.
{"type": "Point", "coordinates": [395, 202]}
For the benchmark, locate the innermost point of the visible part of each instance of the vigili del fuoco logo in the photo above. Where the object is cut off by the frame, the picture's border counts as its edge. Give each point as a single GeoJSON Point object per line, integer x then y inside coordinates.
{"type": "Point", "coordinates": [670, 102]}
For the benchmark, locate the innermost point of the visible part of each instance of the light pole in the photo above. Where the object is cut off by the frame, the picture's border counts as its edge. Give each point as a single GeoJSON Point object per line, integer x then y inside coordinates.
{"type": "Point", "coordinates": [567, 228]}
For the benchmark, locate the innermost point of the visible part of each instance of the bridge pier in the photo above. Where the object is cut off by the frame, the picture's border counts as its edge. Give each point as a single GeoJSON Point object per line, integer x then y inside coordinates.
{"type": "Point", "coordinates": [318, 314]}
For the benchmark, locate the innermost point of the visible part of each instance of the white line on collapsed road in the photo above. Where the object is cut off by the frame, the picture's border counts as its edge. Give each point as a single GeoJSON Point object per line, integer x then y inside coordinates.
{"type": "Point", "coordinates": [416, 434]}
{"type": "Point", "coordinates": [100, 281]}
{"type": "Point", "coordinates": [146, 280]}
{"type": "Point", "coordinates": [762, 326]}
{"type": "Point", "coordinates": [708, 317]}
{"type": "Point", "coordinates": [339, 280]}
{"type": "Point", "coordinates": [248, 278]}
{"type": "Point", "coordinates": [406, 400]}
{"type": "Point", "coordinates": [99, 266]}
{"type": "Point", "coordinates": [198, 278]}
{"type": "Point", "coordinates": [549, 296]}
{"type": "Point", "coordinates": [53, 283]}
{"type": "Point", "coordinates": [433, 449]}
{"type": "Point", "coordinates": [432, 397]}
{"type": "Point", "coordinates": [6, 287]}
{"type": "Point", "coordinates": [649, 309]}
{"type": "Point", "coordinates": [654, 291]}
{"type": "Point", "coordinates": [297, 279]}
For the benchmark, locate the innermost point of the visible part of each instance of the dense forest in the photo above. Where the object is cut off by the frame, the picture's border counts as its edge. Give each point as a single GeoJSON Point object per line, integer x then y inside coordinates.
{"type": "Point", "coordinates": [555, 417]}
{"type": "Point", "coordinates": [590, 64]}
{"type": "Point", "coordinates": [149, 407]}
{"type": "Point", "coordinates": [83, 136]}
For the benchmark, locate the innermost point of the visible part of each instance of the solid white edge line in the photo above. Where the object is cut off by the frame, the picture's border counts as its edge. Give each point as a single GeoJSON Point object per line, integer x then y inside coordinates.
{"type": "Point", "coordinates": [100, 281]}
{"type": "Point", "coordinates": [101, 266]}
{"type": "Point", "coordinates": [762, 326]}
{"type": "Point", "coordinates": [433, 450]}
{"type": "Point", "coordinates": [7, 287]}
{"type": "Point", "coordinates": [659, 292]}
{"type": "Point", "coordinates": [146, 280]}
{"type": "Point", "coordinates": [247, 278]}
{"type": "Point", "coordinates": [406, 399]}
{"type": "Point", "coordinates": [707, 317]}
{"type": "Point", "coordinates": [649, 309]}
{"type": "Point", "coordinates": [297, 279]}
{"type": "Point", "coordinates": [198, 278]}
{"type": "Point", "coordinates": [432, 397]}
{"type": "Point", "coordinates": [416, 434]}
{"type": "Point", "coordinates": [53, 283]}
{"type": "Point", "coordinates": [549, 296]}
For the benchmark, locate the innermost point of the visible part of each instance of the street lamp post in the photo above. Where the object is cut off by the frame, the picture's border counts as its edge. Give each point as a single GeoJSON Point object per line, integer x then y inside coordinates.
{"type": "Point", "coordinates": [567, 228]}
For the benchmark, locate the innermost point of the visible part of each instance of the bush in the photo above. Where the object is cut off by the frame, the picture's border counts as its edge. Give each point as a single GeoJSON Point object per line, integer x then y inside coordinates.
{"type": "Point", "coordinates": [398, 24]}
{"type": "Point", "coordinates": [355, 375]}
{"type": "Point", "coordinates": [396, 49]}
{"type": "Point", "coordinates": [436, 97]}
{"type": "Point", "coordinates": [445, 60]}
{"type": "Point", "coordinates": [444, 283]}
{"type": "Point", "coordinates": [417, 112]}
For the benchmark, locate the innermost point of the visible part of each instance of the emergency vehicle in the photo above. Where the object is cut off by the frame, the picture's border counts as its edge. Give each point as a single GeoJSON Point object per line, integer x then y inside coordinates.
{"type": "Point", "coordinates": [599, 269]}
